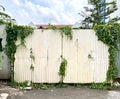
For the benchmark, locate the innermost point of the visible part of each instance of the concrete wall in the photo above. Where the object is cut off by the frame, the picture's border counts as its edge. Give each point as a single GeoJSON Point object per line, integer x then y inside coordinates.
{"type": "Point", "coordinates": [87, 57]}
{"type": "Point", "coordinates": [4, 61]}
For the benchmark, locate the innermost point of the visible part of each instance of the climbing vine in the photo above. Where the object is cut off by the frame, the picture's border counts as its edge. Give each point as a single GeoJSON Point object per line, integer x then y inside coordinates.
{"type": "Point", "coordinates": [62, 69]}
{"type": "Point", "coordinates": [67, 31]}
{"type": "Point", "coordinates": [32, 57]}
{"type": "Point", "coordinates": [110, 35]}
{"type": "Point", "coordinates": [14, 33]}
{"type": "Point", "coordinates": [52, 27]}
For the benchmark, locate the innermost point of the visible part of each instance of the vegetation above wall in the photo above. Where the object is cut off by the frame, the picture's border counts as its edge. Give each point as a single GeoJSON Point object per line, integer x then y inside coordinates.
{"type": "Point", "coordinates": [66, 30]}
{"type": "Point", "coordinates": [15, 32]}
{"type": "Point", "coordinates": [110, 35]}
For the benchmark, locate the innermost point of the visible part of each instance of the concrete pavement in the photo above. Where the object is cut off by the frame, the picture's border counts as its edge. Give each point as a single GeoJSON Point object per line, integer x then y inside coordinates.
{"type": "Point", "coordinates": [68, 93]}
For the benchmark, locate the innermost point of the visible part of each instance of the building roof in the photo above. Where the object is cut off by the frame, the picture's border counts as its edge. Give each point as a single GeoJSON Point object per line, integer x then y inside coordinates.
{"type": "Point", "coordinates": [42, 26]}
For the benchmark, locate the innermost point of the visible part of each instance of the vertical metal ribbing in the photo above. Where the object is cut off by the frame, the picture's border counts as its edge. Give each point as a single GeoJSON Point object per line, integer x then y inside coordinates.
{"type": "Point", "coordinates": [32, 71]}
{"type": "Point", "coordinates": [80, 69]}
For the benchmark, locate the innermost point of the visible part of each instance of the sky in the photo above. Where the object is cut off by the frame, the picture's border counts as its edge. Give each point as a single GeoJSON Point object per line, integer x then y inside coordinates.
{"type": "Point", "coordinates": [46, 11]}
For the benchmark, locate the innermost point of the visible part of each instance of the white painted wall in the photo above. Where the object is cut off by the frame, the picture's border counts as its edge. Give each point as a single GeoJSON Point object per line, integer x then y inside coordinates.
{"type": "Point", "coordinates": [4, 64]}
{"type": "Point", "coordinates": [47, 46]}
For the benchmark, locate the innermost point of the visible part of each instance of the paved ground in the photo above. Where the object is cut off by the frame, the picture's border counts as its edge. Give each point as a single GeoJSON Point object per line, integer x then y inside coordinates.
{"type": "Point", "coordinates": [69, 93]}
{"type": "Point", "coordinates": [59, 93]}
{"type": "Point", "coordinates": [4, 88]}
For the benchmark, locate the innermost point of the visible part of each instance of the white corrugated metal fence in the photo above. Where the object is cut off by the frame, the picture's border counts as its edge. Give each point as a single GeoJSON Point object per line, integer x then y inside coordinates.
{"type": "Point", "coordinates": [86, 56]}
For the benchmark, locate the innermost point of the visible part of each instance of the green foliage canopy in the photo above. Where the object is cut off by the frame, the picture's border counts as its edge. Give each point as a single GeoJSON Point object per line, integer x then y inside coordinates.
{"type": "Point", "coordinates": [101, 11]}
{"type": "Point", "coordinates": [5, 18]}
{"type": "Point", "coordinates": [110, 35]}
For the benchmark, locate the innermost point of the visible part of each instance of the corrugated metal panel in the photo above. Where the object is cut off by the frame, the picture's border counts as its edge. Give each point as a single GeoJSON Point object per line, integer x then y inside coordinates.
{"type": "Point", "coordinates": [53, 56]}
{"type": "Point", "coordinates": [100, 59]}
{"type": "Point", "coordinates": [47, 48]}
{"type": "Point", "coordinates": [22, 63]}
{"type": "Point", "coordinates": [85, 67]}
{"type": "Point", "coordinates": [39, 47]}
{"type": "Point", "coordinates": [70, 54]}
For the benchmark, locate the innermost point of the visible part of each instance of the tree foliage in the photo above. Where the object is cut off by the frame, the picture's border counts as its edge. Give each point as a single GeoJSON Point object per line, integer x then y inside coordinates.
{"type": "Point", "coordinates": [100, 11]}
{"type": "Point", "coordinates": [109, 34]}
{"type": "Point", "coordinates": [13, 33]}
{"type": "Point", "coordinates": [4, 18]}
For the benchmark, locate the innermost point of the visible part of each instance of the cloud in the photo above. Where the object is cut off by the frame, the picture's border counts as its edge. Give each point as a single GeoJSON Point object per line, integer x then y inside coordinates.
{"type": "Point", "coordinates": [46, 11]}
{"type": "Point", "coordinates": [16, 2]}
{"type": "Point", "coordinates": [56, 12]}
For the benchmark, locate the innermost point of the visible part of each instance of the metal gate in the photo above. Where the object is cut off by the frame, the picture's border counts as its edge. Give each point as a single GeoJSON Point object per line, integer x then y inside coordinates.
{"type": "Point", "coordinates": [87, 57]}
